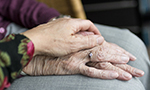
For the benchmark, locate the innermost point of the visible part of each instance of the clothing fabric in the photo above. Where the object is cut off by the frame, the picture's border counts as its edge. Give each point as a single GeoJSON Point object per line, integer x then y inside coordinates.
{"type": "Point", "coordinates": [122, 37]}
{"type": "Point", "coordinates": [13, 28]}
{"type": "Point", "coordinates": [15, 52]}
{"type": "Point", "coordinates": [26, 13]}
{"type": "Point", "coordinates": [13, 49]}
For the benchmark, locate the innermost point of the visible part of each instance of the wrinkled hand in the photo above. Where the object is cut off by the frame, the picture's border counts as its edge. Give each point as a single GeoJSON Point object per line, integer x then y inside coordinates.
{"type": "Point", "coordinates": [72, 64]}
{"type": "Point", "coordinates": [77, 64]}
{"type": "Point", "coordinates": [109, 56]}
{"type": "Point", "coordinates": [59, 37]}
{"type": "Point", "coordinates": [109, 52]}
{"type": "Point", "coordinates": [125, 71]}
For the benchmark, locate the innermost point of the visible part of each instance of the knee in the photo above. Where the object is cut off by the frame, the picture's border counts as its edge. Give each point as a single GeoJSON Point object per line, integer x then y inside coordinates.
{"type": "Point", "coordinates": [132, 39]}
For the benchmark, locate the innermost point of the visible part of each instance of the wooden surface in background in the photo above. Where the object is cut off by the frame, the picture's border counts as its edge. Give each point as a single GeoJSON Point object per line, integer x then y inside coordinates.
{"type": "Point", "coordinates": [67, 7]}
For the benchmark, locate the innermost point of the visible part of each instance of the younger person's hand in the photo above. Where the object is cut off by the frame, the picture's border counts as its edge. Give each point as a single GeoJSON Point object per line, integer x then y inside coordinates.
{"type": "Point", "coordinates": [59, 37]}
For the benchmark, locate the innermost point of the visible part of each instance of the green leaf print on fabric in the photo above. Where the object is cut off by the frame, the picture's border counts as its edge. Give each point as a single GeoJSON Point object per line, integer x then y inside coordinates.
{"type": "Point", "coordinates": [4, 59]}
{"type": "Point", "coordinates": [22, 49]}
{"type": "Point", "coordinates": [1, 76]}
{"type": "Point", "coordinates": [14, 75]}
{"type": "Point", "coordinates": [8, 38]}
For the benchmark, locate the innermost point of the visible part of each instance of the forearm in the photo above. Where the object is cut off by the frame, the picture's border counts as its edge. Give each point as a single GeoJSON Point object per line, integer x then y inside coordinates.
{"type": "Point", "coordinates": [27, 13]}
{"type": "Point", "coordinates": [15, 52]}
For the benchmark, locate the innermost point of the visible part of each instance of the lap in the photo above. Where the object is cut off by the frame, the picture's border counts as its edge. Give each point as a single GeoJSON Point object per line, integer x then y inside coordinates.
{"type": "Point", "coordinates": [73, 82]}
{"type": "Point", "coordinates": [124, 39]}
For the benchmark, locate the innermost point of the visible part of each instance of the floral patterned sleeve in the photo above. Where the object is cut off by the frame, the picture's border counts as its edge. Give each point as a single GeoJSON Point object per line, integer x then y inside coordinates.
{"type": "Point", "coordinates": [16, 51]}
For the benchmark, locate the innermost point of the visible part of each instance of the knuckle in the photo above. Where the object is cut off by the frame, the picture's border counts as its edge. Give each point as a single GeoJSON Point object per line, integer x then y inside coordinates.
{"type": "Point", "coordinates": [103, 65]}
{"type": "Point", "coordinates": [118, 59]}
{"type": "Point", "coordinates": [89, 71]}
{"type": "Point", "coordinates": [103, 75]}
{"type": "Point", "coordinates": [130, 69]}
{"type": "Point", "coordinates": [88, 21]}
{"type": "Point", "coordinates": [101, 56]}
{"type": "Point", "coordinates": [124, 66]}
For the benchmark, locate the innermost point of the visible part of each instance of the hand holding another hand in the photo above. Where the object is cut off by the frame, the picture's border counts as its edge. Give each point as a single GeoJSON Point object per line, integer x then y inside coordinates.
{"type": "Point", "coordinates": [81, 63]}
{"type": "Point", "coordinates": [69, 43]}
{"type": "Point", "coordinates": [58, 38]}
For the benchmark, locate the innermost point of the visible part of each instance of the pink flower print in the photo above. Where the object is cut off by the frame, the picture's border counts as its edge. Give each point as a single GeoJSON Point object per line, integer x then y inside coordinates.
{"type": "Point", "coordinates": [30, 49]}
{"type": "Point", "coordinates": [2, 30]}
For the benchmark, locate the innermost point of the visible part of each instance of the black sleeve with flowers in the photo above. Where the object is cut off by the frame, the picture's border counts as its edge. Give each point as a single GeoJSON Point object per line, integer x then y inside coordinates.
{"type": "Point", "coordinates": [14, 55]}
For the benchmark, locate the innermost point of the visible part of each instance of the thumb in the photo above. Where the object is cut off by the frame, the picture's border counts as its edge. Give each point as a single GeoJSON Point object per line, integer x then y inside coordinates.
{"type": "Point", "coordinates": [88, 41]}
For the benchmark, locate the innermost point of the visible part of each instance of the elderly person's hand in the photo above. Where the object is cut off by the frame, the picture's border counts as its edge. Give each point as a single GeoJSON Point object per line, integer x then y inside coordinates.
{"type": "Point", "coordinates": [68, 65]}
{"type": "Point", "coordinates": [124, 71]}
{"type": "Point", "coordinates": [81, 63]}
{"type": "Point", "coordinates": [59, 37]}
{"type": "Point", "coordinates": [109, 52]}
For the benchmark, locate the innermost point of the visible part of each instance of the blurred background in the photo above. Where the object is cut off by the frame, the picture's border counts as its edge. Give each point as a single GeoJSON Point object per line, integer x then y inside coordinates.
{"type": "Point", "coordinates": [131, 14]}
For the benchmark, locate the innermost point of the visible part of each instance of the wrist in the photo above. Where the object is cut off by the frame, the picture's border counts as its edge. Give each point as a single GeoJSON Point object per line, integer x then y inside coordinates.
{"type": "Point", "coordinates": [31, 46]}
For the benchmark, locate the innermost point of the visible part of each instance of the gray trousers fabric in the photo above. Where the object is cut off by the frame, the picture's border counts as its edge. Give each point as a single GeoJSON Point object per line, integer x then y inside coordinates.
{"type": "Point", "coordinates": [121, 37]}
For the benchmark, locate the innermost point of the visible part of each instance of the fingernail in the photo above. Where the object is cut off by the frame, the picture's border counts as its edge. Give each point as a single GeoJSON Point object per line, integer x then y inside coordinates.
{"type": "Point", "coordinates": [100, 40]}
{"type": "Point", "coordinates": [125, 58]}
{"type": "Point", "coordinates": [114, 75]}
{"type": "Point", "coordinates": [132, 56]}
{"type": "Point", "coordinates": [127, 75]}
{"type": "Point", "coordinates": [139, 72]}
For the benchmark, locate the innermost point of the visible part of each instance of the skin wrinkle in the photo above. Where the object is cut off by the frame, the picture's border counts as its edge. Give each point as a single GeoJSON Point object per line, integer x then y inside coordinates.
{"type": "Point", "coordinates": [115, 58]}
{"type": "Point", "coordinates": [73, 46]}
{"type": "Point", "coordinates": [34, 72]}
{"type": "Point", "coordinates": [57, 64]}
{"type": "Point", "coordinates": [91, 43]}
{"type": "Point", "coordinates": [102, 74]}
{"type": "Point", "coordinates": [45, 69]}
{"type": "Point", "coordinates": [67, 64]}
{"type": "Point", "coordinates": [80, 63]}
{"type": "Point", "coordinates": [43, 66]}
{"type": "Point", "coordinates": [101, 56]}
{"type": "Point", "coordinates": [129, 69]}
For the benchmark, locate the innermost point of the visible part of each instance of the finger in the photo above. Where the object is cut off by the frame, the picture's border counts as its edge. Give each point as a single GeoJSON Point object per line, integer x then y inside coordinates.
{"type": "Point", "coordinates": [134, 71]}
{"type": "Point", "coordinates": [86, 25]}
{"type": "Point", "coordinates": [132, 57]}
{"type": "Point", "coordinates": [85, 42]}
{"type": "Point", "coordinates": [115, 57]}
{"type": "Point", "coordinates": [123, 75]}
{"type": "Point", "coordinates": [119, 49]}
{"type": "Point", "coordinates": [95, 73]}
{"type": "Point", "coordinates": [85, 33]}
